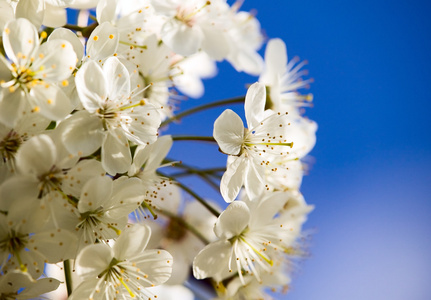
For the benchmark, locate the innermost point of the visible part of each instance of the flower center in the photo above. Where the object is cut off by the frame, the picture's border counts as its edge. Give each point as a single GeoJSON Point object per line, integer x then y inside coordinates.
{"type": "Point", "coordinates": [175, 230]}
{"type": "Point", "coordinates": [9, 145]}
{"type": "Point", "coordinates": [186, 15]}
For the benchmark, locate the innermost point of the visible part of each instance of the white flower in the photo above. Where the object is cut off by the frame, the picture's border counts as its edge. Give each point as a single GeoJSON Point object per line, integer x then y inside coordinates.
{"type": "Point", "coordinates": [45, 173]}
{"type": "Point", "coordinates": [251, 235]}
{"type": "Point", "coordinates": [153, 62]}
{"type": "Point", "coordinates": [50, 13]}
{"type": "Point", "coordinates": [246, 40]}
{"type": "Point", "coordinates": [12, 138]}
{"type": "Point", "coordinates": [112, 117]}
{"type": "Point", "coordinates": [21, 248]}
{"type": "Point", "coordinates": [104, 207]}
{"type": "Point", "coordinates": [188, 72]}
{"type": "Point", "coordinates": [28, 79]}
{"type": "Point", "coordinates": [251, 149]}
{"type": "Point", "coordinates": [282, 79]}
{"type": "Point", "coordinates": [20, 286]}
{"type": "Point", "coordinates": [125, 270]}
{"type": "Point", "coordinates": [194, 25]}
{"type": "Point", "coordinates": [102, 43]}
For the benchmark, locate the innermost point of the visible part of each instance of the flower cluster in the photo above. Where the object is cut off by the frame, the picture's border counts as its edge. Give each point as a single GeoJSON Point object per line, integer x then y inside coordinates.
{"type": "Point", "coordinates": [86, 186]}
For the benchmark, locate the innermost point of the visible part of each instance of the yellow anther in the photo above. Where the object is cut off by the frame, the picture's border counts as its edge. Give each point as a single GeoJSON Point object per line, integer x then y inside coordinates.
{"type": "Point", "coordinates": [43, 35]}
{"type": "Point", "coordinates": [65, 83]}
{"type": "Point", "coordinates": [95, 38]}
{"type": "Point", "coordinates": [111, 36]}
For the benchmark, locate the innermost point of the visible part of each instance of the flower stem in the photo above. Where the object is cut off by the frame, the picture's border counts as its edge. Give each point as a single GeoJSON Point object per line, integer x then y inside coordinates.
{"type": "Point", "coordinates": [185, 224]}
{"type": "Point", "coordinates": [202, 107]}
{"type": "Point", "coordinates": [205, 174]}
{"type": "Point", "coordinates": [193, 194]}
{"type": "Point", "coordinates": [193, 138]}
{"type": "Point", "coordinates": [68, 276]}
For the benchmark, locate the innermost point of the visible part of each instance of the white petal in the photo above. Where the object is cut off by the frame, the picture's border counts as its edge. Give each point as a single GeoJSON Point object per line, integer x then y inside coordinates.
{"type": "Point", "coordinates": [91, 86]}
{"type": "Point", "coordinates": [116, 156]}
{"type": "Point", "coordinates": [249, 62]}
{"type": "Point", "coordinates": [117, 78]}
{"type": "Point", "coordinates": [160, 149]}
{"type": "Point", "coordinates": [54, 16]}
{"type": "Point", "coordinates": [106, 11]}
{"type": "Point", "coordinates": [71, 37]}
{"type": "Point", "coordinates": [233, 179]}
{"type": "Point", "coordinates": [32, 10]}
{"type": "Point", "coordinates": [37, 155]}
{"type": "Point", "coordinates": [20, 37]}
{"type": "Point", "coordinates": [183, 39]}
{"type": "Point", "coordinates": [93, 260]}
{"type": "Point", "coordinates": [254, 105]}
{"type": "Point", "coordinates": [132, 241]}
{"type": "Point", "coordinates": [233, 220]}
{"type": "Point", "coordinates": [11, 282]}
{"type": "Point", "coordinates": [12, 106]}
{"type": "Point", "coordinates": [51, 101]}
{"type": "Point", "coordinates": [275, 56]}
{"type": "Point", "coordinates": [56, 244]}
{"type": "Point", "coordinates": [157, 264]}
{"type": "Point", "coordinates": [215, 43]}
{"type": "Point", "coordinates": [86, 288]}
{"type": "Point", "coordinates": [82, 133]}
{"type": "Point", "coordinates": [55, 61]}
{"type": "Point", "coordinates": [59, 3]}
{"type": "Point", "coordinates": [127, 196]}
{"type": "Point", "coordinates": [17, 189]}
{"type": "Point", "coordinates": [6, 13]}
{"type": "Point", "coordinates": [267, 208]}
{"type": "Point", "coordinates": [39, 287]}
{"type": "Point", "coordinates": [212, 261]}
{"type": "Point", "coordinates": [80, 174]}
{"type": "Point", "coordinates": [254, 183]}
{"type": "Point", "coordinates": [83, 4]}
{"type": "Point", "coordinates": [95, 193]}
{"type": "Point", "coordinates": [229, 132]}
{"type": "Point", "coordinates": [103, 42]}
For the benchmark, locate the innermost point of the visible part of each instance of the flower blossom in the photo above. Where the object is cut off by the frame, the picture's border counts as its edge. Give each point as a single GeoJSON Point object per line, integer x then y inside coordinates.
{"type": "Point", "coordinates": [29, 79]}
{"type": "Point", "coordinates": [113, 116]}
{"type": "Point", "coordinates": [251, 235]}
{"type": "Point", "coordinates": [127, 269]}
{"type": "Point", "coordinates": [251, 149]}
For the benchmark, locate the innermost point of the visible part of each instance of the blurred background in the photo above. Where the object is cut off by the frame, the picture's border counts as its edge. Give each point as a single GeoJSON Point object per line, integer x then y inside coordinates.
{"type": "Point", "coordinates": [370, 177]}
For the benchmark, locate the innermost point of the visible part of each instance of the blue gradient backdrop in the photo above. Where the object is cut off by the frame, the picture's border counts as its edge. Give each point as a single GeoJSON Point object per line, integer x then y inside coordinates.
{"type": "Point", "coordinates": [370, 180]}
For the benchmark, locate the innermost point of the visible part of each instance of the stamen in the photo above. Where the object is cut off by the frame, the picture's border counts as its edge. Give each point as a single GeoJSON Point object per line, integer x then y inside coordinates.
{"type": "Point", "coordinates": [269, 261]}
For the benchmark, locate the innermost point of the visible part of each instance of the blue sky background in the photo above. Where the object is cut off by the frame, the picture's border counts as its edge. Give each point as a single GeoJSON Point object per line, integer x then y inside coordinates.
{"type": "Point", "coordinates": [370, 181]}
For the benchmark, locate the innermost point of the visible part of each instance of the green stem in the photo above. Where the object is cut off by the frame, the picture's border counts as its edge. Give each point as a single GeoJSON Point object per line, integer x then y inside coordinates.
{"type": "Point", "coordinates": [202, 107]}
{"type": "Point", "coordinates": [86, 31]}
{"type": "Point", "coordinates": [193, 138]}
{"type": "Point", "coordinates": [185, 224]}
{"type": "Point", "coordinates": [204, 174]}
{"type": "Point", "coordinates": [68, 276]}
{"type": "Point", "coordinates": [74, 27]}
{"type": "Point", "coordinates": [193, 194]}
